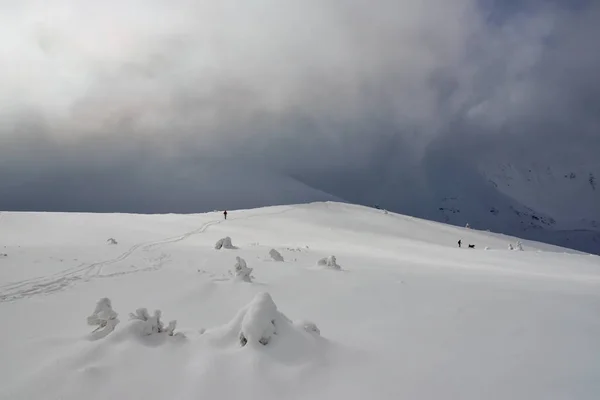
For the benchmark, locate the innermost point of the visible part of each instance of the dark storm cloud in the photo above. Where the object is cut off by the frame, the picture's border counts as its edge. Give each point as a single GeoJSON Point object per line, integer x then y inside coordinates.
{"type": "Point", "coordinates": [115, 105]}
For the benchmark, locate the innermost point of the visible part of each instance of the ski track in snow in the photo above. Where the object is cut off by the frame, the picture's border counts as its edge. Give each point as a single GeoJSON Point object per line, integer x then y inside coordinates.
{"type": "Point", "coordinates": [84, 272]}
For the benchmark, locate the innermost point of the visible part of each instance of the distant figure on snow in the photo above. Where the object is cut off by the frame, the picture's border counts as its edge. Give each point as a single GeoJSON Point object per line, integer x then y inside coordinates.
{"type": "Point", "coordinates": [459, 242]}
{"type": "Point", "coordinates": [225, 214]}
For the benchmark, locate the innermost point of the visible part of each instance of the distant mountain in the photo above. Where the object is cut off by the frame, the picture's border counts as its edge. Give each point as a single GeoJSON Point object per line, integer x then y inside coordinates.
{"type": "Point", "coordinates": [554, 198]}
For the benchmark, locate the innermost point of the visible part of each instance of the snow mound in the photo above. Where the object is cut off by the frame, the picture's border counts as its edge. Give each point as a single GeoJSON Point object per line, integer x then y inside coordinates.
{"type": "Point", "coordinates": [104, 317]}
{"type": "Point", "coordinates": [241, 271]}
{"type": "Point", "coordinates": [276, 256]}
{"type": "Point", "coordinates": [225, 243]}
{"type": "Point", "coordinates": [111, 241]}
{"type": "Point", "coordinates": [329, 262]}
{"type": "Point", "coordinates": [260, 324]}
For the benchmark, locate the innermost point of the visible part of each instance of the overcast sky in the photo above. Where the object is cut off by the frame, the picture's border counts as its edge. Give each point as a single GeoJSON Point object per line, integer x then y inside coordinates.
{"type": "Point", "coordinates": [137, 105]}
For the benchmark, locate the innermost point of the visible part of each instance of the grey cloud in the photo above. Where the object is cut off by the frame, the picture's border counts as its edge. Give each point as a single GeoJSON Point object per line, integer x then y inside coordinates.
{"type": "Point", "coordinates": [131, 105]}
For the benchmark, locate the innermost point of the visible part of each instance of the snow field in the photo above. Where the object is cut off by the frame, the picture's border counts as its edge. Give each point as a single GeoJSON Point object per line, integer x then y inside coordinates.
{"type": "Point", "coordinates": [409, 315]}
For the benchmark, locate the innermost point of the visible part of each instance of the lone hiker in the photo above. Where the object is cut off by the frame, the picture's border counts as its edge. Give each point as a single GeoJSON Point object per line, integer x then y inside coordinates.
{"type": "Point", "coordinates": [225, 214]}
{"type": "Point", "coordinates": [459, 242]}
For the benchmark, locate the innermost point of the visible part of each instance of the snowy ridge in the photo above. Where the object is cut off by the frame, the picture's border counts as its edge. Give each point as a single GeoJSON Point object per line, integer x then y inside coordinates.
{"type": "Point", "coordinates": [408, 314]}
{"type": "Point", "coordinates": [538, 201]}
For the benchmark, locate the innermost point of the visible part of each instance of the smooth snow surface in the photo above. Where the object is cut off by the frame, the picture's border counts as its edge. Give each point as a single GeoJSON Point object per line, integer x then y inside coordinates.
{"type": "Point", "coordinates": [409, 316]}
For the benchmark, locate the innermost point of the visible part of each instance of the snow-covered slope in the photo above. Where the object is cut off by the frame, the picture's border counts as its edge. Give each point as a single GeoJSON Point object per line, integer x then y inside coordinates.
{"type": "Point", "coordinates": [559, 205]}
{"type": "Point", "coordinates": [554, 198]}
{"type": "Point", "coordinates": [407, 315]}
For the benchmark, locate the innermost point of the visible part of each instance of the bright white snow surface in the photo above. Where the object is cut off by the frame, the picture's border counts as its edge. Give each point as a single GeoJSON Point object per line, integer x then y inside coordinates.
{"type": "Point", "coordinates": [409, 316]}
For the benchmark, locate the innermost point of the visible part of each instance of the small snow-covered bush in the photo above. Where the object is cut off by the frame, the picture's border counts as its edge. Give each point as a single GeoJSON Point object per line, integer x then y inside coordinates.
{"type": "Point", "coordinates": [224, 243]}
{"type": "Point", "coordinates": [259, 322]}
{"type": "Point", "coordinates": [518, 246]}
{"type": "Point", "coordinates": [275, 255]}
{"type": "Point", "coordinates": [329, 262]}
{"type": "Point", "coordinates": [152, 324]}
{"type": "Point", "coordinates": [112, 241]}
{"type": "Point", "coordinates": [241, 271]}
{"type": "Point", "coordinates": [104, 317]}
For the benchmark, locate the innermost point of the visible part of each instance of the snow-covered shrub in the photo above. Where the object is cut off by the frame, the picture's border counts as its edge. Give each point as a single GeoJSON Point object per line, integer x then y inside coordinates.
{"type": "Point", "coordinates": [104, 317]}
{"type": "Point", "coordinates": [467, 226]}
{"type": "Point", "coordinates": [519, 246]}
{"type": "Point", "coordinates": [329, 262]}
{"type": "Point", "coordinates": [241, 271]}
{"type": "Point", "coordinates": [224, 243]}
{"type": "Point", "coordinates": [510, 246]}
{"type": "Point", "coordinates": [112, 241]}
{"type": "Point", "coordinates": [152, 324]}
{"type": "Point", "coordinates": [275, 255]}
{"type": "Point", "coordinates": [259, 323]}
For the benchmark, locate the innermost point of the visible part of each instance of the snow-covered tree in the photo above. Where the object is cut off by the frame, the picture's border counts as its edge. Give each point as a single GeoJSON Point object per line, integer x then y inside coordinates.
{"type": "Point", "coordinates": [241, 271]}
{"type": "Point", "coordinates": [153, 324]}
{"type": "Point", "coordinates": [275, 255]}
{"type": "Point", "coordinates": [104, 317]}
{"type": "Point", "coordinates": [519, 246]}
{"type": "Point", "coordinates": [259, 322]}
{"type": "Point", "coordinates": [224, 243]}
{"type": "Point", "coordinates": [330, 262]}
{"type": "Point", "coordinates": [510, 246]}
